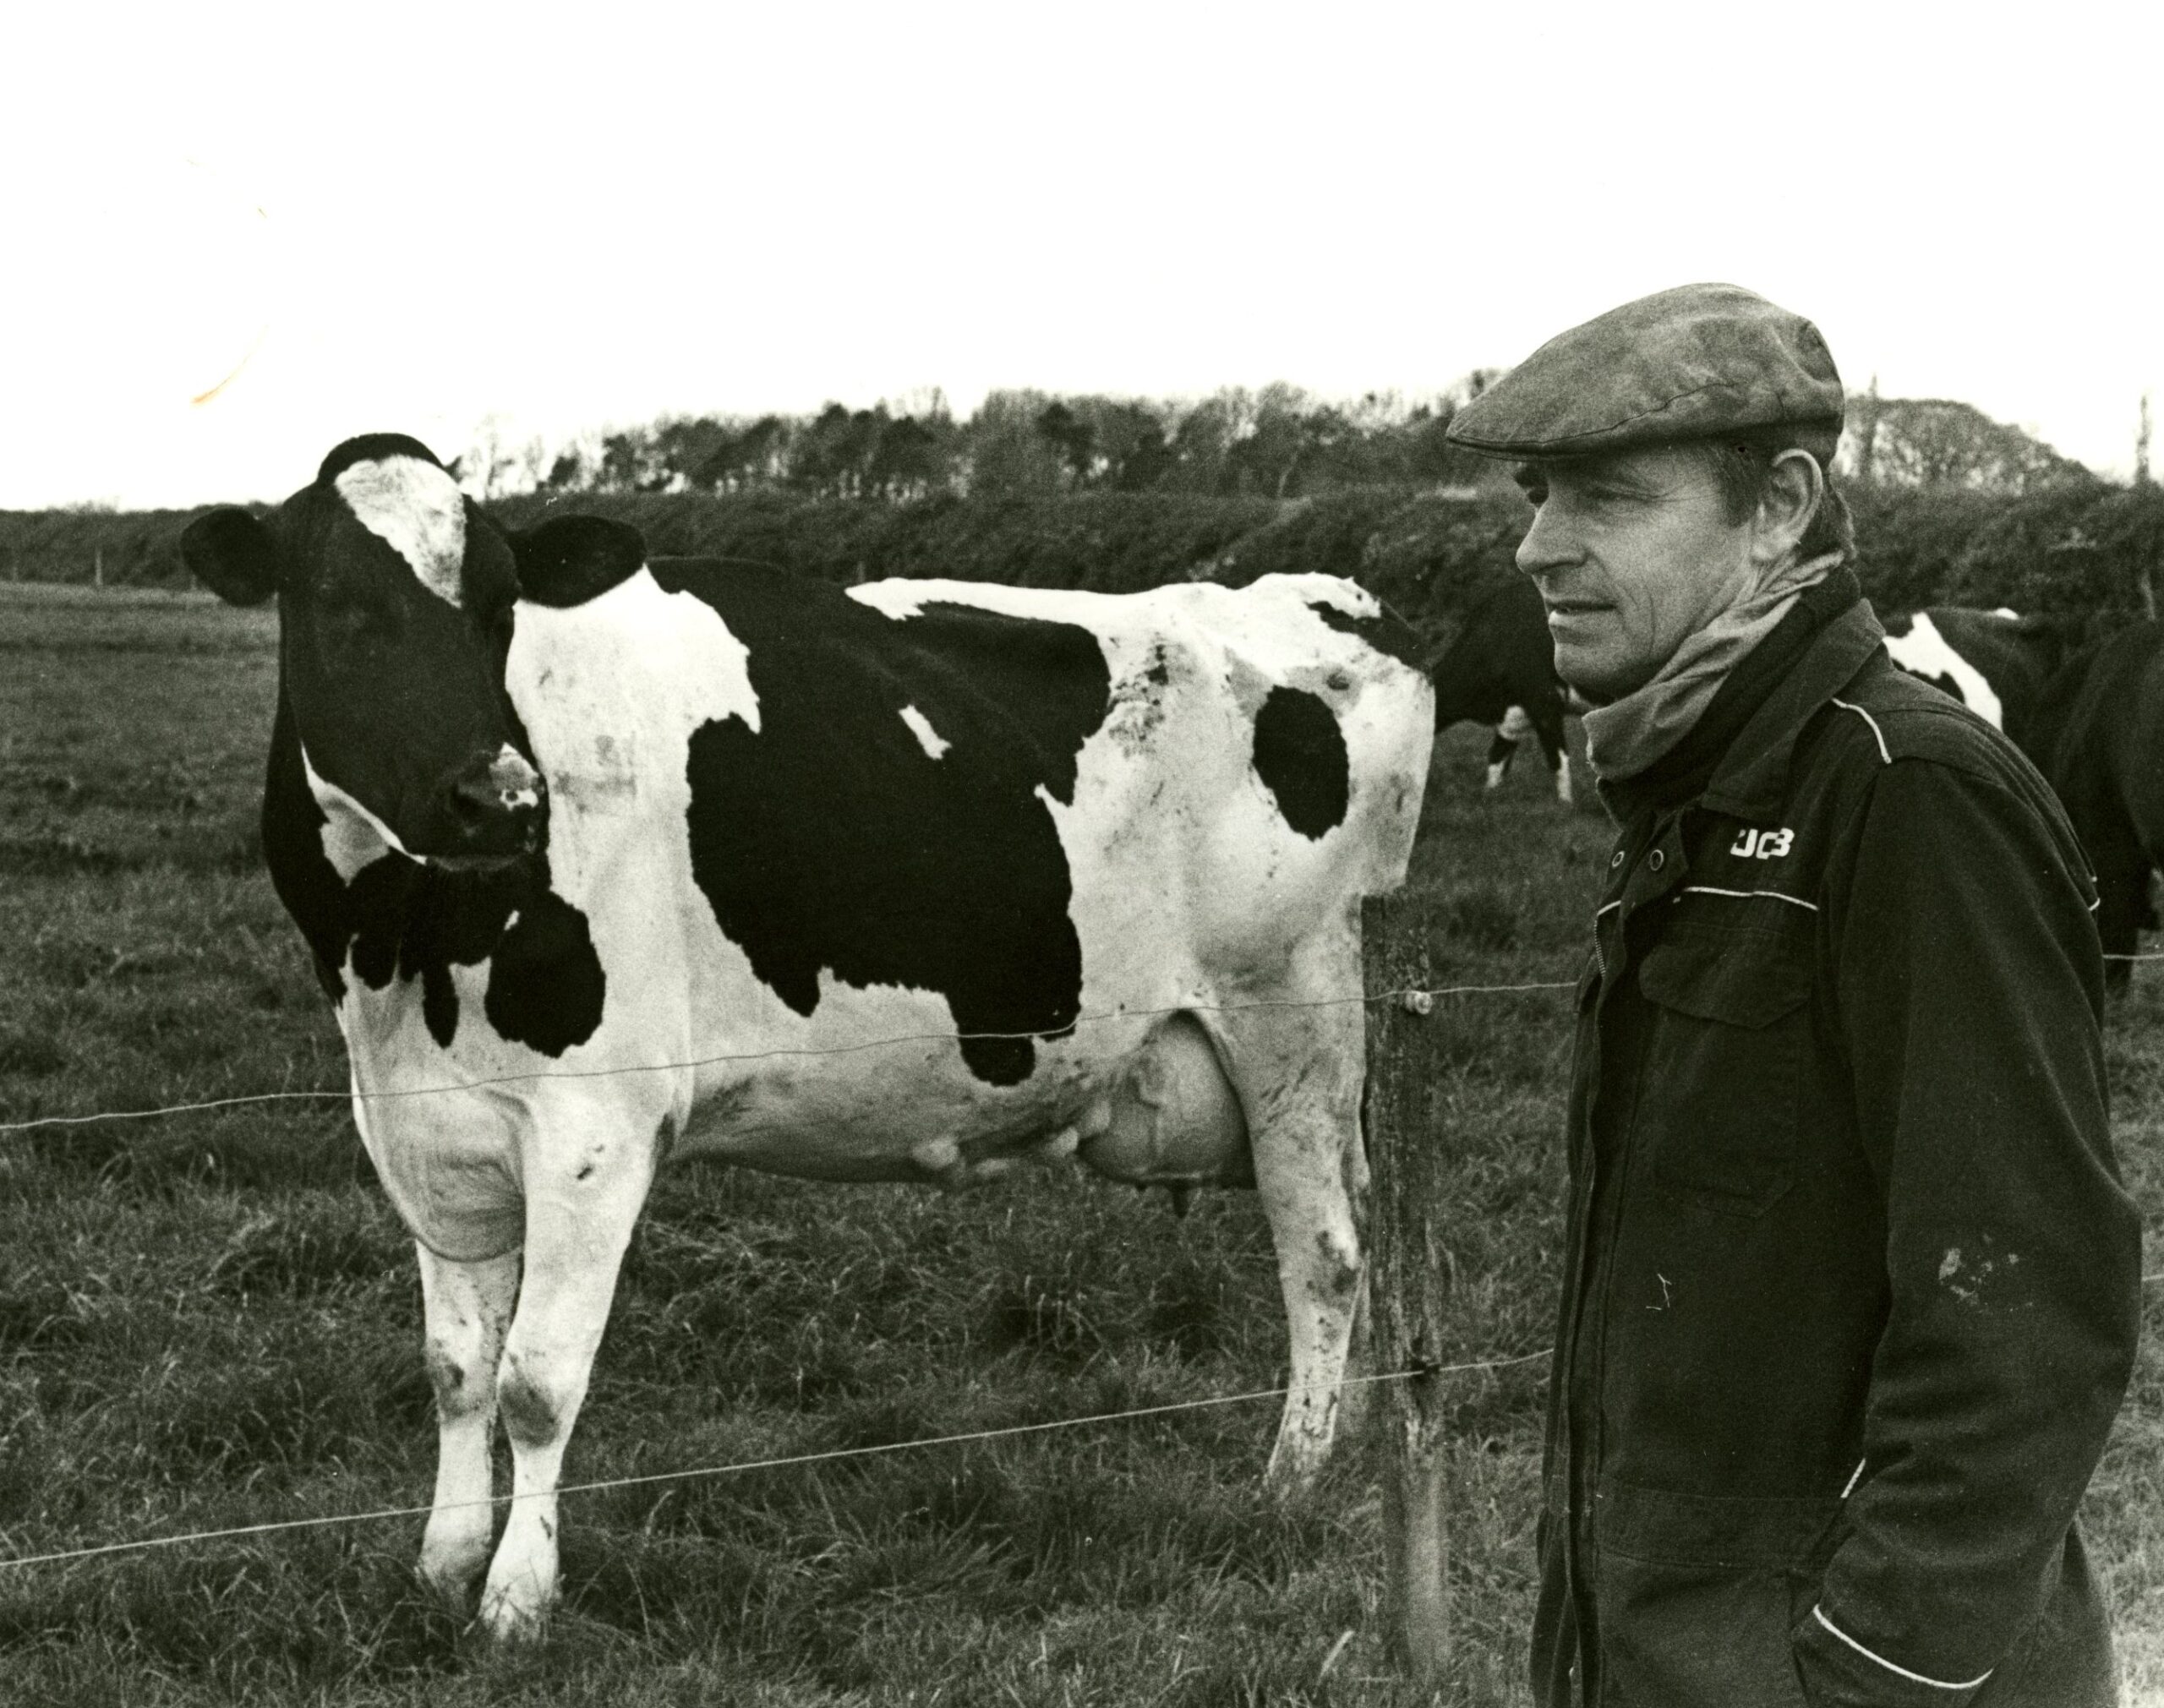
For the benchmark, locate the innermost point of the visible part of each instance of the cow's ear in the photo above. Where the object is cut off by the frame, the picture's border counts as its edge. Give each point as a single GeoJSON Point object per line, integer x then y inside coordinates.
{"type": "Point", "coordinates": [232, 553]}
{"type": "Point", "coordinates": [572, 559]}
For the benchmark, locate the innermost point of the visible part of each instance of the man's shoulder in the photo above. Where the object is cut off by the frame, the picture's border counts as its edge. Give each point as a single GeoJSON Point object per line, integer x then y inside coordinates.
{"type": "Point", "coordinates": [1889, 738]}
{"type": "Point", "coordinates": [1884, 715]}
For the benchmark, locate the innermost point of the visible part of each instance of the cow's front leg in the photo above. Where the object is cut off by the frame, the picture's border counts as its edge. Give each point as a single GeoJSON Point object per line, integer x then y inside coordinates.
{"type": "Point", "coordinates": [578, 1221]}
{"type": "Point", "coordinates": [1548, 729]}
{"type": "Point", "coordinates": [469, 1306]}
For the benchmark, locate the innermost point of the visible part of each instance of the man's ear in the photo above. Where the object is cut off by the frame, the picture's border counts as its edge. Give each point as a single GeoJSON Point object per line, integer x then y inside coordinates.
{"type": "Point", "coordinates": [232, 553]}
{"type": "Point", "coordinates": [1795, 488]}
{"type": "Point", "coordinates": [572, 559]}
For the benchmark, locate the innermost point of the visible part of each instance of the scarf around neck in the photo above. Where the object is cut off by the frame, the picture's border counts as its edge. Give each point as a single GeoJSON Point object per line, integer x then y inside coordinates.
{"type": "Point", "coordinates": [1627, 735]}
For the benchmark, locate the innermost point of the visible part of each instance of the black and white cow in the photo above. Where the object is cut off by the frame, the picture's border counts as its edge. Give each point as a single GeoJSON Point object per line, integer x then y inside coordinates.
{"type": "Point", "coordinates": [1995, 662]}
{"type": "Point", "coordinates": [1499, 669]}
{"type": "Point", "coordinates": [910, 881]}
{"type": "Point", "coordinates": [2095, 733]}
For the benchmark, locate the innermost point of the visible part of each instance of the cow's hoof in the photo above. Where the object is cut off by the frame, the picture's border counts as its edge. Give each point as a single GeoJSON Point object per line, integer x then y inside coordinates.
{"type": "Point", "coordinates": [512, 1620]}
{"type": "Point", "coordinates": [448, 1570]}
{"type": "Point", "coordinates": [452, 1591]}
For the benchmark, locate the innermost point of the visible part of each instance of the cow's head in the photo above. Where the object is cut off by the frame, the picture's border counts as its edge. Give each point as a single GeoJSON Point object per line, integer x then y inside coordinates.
{"type": "Point", "coordinates": [395, 599]}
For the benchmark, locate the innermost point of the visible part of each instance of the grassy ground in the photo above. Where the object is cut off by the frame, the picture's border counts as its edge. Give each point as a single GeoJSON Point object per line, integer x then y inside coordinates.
{"type": "Point", "coordinates": [213, 1320]}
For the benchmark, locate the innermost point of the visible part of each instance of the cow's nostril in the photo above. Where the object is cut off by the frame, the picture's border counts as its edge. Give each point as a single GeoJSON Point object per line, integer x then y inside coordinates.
{"type": "Point", "coordinates": [501, 789]}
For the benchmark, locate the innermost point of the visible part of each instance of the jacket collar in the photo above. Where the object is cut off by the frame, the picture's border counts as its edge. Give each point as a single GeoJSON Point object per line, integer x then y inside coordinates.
{"type": "Point", "coordinates": [1750, 781]}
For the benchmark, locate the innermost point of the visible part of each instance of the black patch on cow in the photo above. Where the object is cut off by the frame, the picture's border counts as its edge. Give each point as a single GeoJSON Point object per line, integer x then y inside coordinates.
{"type": "Point", "coordinates": [402, 920]}
{"type": "Point", "coordinates": [570, 559]}
{"type": "Point", "coordinates": [831, 841]}
{"type": "Point", "coordinates": [1300, 754]}
{"type": "Point", "coordinates": [1389, 633]}
{"type": "Point", "coordinates": [372, 447]}
{"type": "Point", "coordinates": [546, 988]}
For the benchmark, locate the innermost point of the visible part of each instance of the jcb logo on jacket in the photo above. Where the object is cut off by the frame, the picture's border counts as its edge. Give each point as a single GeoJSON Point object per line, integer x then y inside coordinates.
{"type": "Point", "coordinates": [1764, 844]}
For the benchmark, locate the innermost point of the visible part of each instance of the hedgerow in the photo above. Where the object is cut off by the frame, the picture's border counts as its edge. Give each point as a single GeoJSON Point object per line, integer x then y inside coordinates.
{"type": "Point", "coordinates": [2078, 545]}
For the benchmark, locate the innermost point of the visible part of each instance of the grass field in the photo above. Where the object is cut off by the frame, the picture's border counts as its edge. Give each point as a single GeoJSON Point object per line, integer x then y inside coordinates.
{"type": "Point", "coordinates": [213, 1320]}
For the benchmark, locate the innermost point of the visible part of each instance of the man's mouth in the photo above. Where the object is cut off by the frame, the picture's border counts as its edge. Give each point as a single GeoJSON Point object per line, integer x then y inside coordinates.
{"type": "Point", "coordinates": [1574, 608]}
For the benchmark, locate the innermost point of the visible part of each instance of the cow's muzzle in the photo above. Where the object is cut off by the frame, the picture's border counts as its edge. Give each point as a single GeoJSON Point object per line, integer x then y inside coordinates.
{"type": "Point", "coordinates": [494, 806]}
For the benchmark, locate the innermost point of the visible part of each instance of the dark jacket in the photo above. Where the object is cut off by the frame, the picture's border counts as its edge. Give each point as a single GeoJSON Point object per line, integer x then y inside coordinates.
{"type": "Point", "coordinates": [1852, 1287]}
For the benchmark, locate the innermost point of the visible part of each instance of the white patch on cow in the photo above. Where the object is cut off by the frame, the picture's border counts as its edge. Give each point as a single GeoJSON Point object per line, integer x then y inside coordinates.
{"type": "Point", "coordinates": [920, 727]}
{"type": "Point", "coordinates": [417, 508]}
{"type": "Point", "coordinates": [1924, 651]}
{"type": "Point", "coordinates": [900, 600]}
{"type": "Point", "coordinates": [1495, 774]}
{"type": "Point", "coordinates": [352, 836]}
{"type": "Point", "coordinates": [1563, 778]}
{"type": "Point", "coordinates": [1348, 597]}
{"type": "Point", "coordinates": [610, 693]}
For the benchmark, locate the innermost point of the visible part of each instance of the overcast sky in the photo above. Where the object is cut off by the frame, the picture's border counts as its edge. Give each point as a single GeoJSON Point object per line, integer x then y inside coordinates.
{"type": "Point", "coordinates": [379, 216]}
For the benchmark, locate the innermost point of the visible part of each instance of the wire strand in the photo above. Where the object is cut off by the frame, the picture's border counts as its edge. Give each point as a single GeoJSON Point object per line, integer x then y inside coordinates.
{"type": "Point", "coordinates": [786, 1461]}
{"type": "Point", "coordinates": [954, 1038]}
{"type": "Point", "coordinates": [326, 1095]}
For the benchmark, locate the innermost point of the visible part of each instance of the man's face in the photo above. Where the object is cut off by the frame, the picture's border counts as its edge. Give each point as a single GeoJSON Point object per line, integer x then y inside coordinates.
{"type": "Point", "coordinates": [1633, 553]}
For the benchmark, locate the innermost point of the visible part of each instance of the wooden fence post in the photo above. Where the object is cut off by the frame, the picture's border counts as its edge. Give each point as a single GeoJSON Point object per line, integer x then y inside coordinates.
{"type": "Point", "coordinates": [1407, 1157]}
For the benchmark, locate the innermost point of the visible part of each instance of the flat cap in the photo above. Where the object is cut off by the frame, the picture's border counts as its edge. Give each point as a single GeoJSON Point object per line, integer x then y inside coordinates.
{"type": "Point", "coordinates": [1692, 362]}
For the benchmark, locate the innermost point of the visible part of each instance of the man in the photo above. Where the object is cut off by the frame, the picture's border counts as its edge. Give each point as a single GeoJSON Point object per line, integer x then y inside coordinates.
{"type": "Point", "coordinates": [1852, 1287]}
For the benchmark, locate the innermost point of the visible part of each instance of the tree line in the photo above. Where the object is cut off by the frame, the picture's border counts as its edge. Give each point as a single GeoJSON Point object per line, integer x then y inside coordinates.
{"type": "Point", "coordinates": [1279, 442]}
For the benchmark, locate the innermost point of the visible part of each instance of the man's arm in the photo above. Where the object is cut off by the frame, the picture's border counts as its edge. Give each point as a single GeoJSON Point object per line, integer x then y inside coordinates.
{"type": "Point", "coordinates": [1969, 992]}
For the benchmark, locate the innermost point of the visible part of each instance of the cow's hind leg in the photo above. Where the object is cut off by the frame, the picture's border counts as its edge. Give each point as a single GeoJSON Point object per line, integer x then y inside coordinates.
{"type": "Point", "coordinates": [1297, 1072]}
{"type": "Point", "coordinates": [2122, 906]}
{"type": "Point", "coordinates": [468, 1306]}
{"type": "Point", "coordinates": [579, 1217]}
{"type": "Point", "coordinates": [1502, 748]}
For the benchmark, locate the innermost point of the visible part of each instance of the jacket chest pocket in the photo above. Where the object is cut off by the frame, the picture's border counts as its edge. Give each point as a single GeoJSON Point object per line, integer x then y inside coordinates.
{"type": "Point", "coordinates": [1724, 1065]}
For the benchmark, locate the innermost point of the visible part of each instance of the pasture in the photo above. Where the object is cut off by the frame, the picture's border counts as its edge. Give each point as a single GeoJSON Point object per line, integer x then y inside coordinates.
{"type": "Point", "coordinates": [213, 1320]}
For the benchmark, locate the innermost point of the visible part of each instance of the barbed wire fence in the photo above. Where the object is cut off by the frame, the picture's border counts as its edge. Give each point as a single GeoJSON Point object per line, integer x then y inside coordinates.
{"type": "Point", "coordinates": [1417, 999]}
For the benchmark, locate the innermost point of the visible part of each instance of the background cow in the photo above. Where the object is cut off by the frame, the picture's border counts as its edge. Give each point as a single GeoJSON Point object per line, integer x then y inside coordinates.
{"type": "Point", "coordinates": [2096, 732]}
{"type": "Point", "coordinates": [912, 882]}
{"type": "Point", "coordinates": [1995, 662]}
{"type": "Point", "coordinates": [1501, 669]}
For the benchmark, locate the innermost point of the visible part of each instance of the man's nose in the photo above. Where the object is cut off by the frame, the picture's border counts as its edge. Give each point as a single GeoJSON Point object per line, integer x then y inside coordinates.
{"type": "Point", "coordinates": [1548, 545]}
